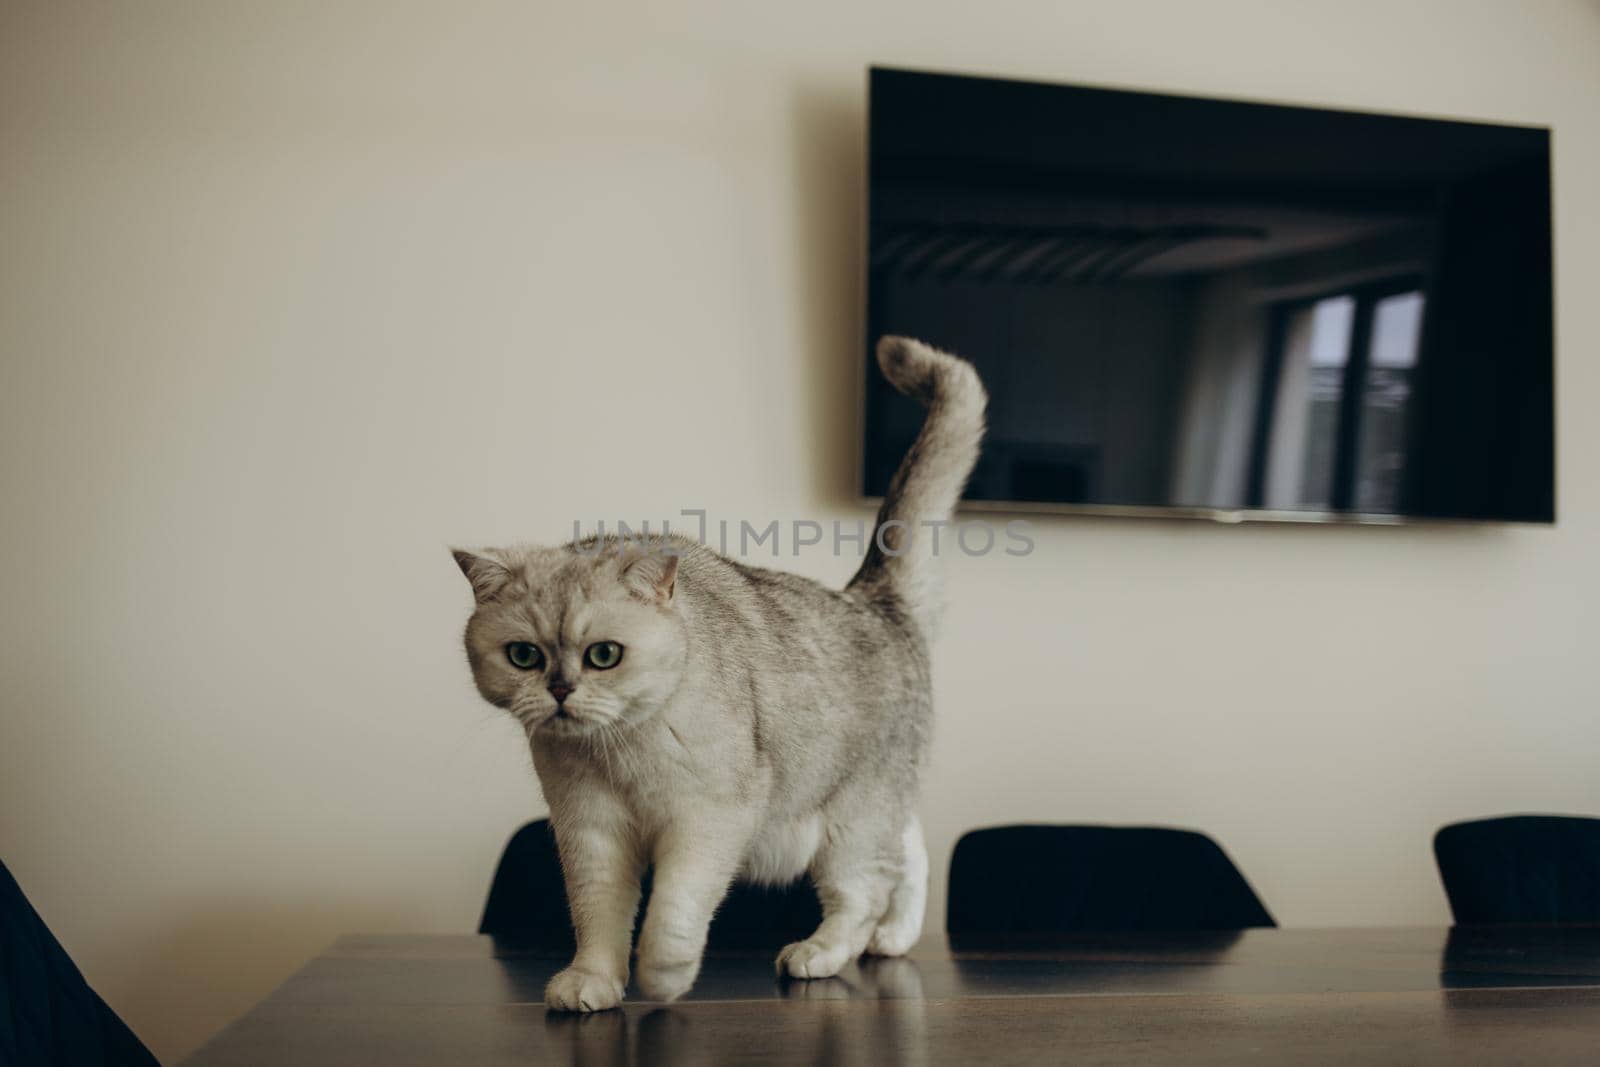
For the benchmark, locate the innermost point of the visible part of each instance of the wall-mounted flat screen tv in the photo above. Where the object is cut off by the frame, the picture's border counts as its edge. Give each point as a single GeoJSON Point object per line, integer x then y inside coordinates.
{"type": "Point", "coordinates": [1204, 307]}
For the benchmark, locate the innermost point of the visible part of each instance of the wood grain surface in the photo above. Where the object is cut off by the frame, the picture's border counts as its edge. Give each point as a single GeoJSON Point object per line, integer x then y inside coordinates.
{"type": "Point", "coordinates": [1413, 996]}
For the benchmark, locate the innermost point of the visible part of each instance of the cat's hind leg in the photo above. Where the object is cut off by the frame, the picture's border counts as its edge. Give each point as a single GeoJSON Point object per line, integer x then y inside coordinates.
{"type": "Point", "coordinates": [855, 873]}
{"type": "Point", "coordinates": [901, 924]}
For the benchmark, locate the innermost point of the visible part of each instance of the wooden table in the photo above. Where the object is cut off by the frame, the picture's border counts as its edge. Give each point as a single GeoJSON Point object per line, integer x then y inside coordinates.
{"type": "Point", "coordinates": [1395, 995]}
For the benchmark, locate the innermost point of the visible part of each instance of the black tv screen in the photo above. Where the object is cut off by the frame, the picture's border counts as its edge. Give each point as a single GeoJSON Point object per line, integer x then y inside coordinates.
{"type": "Point", "coordinates": [1213, 308]}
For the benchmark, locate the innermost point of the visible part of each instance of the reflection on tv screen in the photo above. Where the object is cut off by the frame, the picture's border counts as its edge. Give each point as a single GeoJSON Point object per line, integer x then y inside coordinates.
{"type": "Point", "coordinates": [1210, 306]}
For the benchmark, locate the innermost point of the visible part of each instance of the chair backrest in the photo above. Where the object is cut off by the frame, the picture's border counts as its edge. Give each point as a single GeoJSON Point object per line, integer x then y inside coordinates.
{"type": "Point", "coordinates": [1057, 879]}
{"type": "Point", "coordinates": [527, 901]}
{"type": "Point", "coordinates": [528, 904]}
{"type": "Point", "coordinates": [1521, 869]}
{"type": "Point", "coordinates": [48, 1013]}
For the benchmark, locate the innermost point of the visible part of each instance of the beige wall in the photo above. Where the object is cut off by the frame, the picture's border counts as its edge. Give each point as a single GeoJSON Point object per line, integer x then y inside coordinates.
{"type": "Point", "coordinates": [294, 295]}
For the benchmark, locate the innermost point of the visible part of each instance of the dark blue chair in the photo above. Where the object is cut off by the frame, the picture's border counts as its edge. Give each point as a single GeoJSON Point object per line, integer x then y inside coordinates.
{"type": "Point", "coordinates": [1061, 879]}
{"type": "Point", "coordinates": [1521, 869]}
{"type": "Point", "coordinates": [48, 1013]}
{"type": "Point", "coordinates": [527, 903]}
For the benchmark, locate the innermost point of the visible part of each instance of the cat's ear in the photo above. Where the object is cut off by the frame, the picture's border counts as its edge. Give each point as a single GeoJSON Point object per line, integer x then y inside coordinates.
{"type": "Point", "coordinates": [488, 576]}
{"type": "Point", "coordinates": [652, 576]}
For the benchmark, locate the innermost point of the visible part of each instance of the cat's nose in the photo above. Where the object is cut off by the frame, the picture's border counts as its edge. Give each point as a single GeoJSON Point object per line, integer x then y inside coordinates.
{"type": "Point", "coordinates": [560, 690]}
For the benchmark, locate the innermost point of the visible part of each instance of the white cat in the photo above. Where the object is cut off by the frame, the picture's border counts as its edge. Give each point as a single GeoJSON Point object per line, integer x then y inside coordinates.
{"type": "Point", "coordinates": [712, 719]}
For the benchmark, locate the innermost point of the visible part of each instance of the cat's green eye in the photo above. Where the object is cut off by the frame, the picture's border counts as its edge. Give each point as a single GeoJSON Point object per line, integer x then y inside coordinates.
{"type": "Point", "coordinates": [524, 656]}
{"type": "Point", "coordinates": [603, 655]}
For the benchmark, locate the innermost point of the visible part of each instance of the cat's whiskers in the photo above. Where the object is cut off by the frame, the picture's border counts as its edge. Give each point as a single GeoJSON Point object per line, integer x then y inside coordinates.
{"type": "Point", "coordinates": [530, 714]}
{"type": "Point", "coordinates": [606, 739]}
{"type": "Point", "coordinates": [601, 734]}
{"type": "Point", "coordinates": [625, 751]}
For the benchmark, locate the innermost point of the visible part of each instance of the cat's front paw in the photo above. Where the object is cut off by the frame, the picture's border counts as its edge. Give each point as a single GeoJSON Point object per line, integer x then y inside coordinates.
{"type": "Point", "coordinates": [666, 980]}
{"type": "Point", "coordinates": [812, 959]}
{"type": "Point", "coordinates": [894, 937]}
{"type": "Point", "coordinates": [579, 990]}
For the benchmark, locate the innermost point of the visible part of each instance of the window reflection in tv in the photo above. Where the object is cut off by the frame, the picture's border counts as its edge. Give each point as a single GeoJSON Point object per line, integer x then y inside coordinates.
{"type": "Point", "coordinates": [1219, 307]}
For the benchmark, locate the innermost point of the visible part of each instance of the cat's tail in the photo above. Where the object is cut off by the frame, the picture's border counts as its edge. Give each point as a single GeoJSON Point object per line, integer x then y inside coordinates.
{"type": "Point", "coordinates": [909, 535]}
